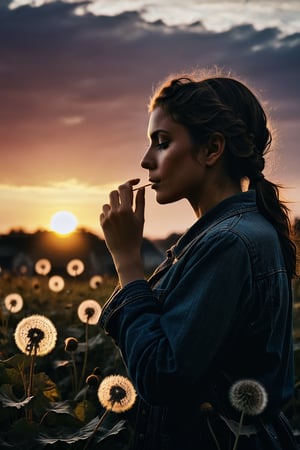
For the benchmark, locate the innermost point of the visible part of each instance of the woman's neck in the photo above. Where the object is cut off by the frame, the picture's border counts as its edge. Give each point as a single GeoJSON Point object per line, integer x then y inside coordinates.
{"type": "Point", "coordinates": [213, 195]}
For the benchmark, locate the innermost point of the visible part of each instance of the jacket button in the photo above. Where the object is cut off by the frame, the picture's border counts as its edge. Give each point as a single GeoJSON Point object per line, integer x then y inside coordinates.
{"type": "Point", "coordinates": [144, 412]}
{"type": "Point", "coordinates": [141, 436]}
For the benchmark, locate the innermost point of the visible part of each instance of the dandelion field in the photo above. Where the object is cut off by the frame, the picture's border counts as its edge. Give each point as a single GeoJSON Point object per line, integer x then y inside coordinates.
{"type": "Point", "coordinates": [50, 378]}
{"type": "Point", "coordinates": [55, 404]}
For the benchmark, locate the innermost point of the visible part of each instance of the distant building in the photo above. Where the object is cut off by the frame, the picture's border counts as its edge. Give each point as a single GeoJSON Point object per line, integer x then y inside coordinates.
{"type": "Point", "coordinates": [19, 251]}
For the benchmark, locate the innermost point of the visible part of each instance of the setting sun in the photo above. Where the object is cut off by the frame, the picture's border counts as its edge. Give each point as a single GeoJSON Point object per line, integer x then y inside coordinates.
{"type": "Point", "coordinates": [63, 222]}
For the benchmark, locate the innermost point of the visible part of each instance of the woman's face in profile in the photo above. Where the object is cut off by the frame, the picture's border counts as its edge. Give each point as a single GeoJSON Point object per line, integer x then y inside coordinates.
{"type": "Point", "coordinates": [175, 165]}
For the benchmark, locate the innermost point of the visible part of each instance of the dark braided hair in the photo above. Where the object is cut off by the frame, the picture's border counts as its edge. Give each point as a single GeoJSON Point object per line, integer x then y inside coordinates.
{"type": "Point", "coordinates": [225, 105]}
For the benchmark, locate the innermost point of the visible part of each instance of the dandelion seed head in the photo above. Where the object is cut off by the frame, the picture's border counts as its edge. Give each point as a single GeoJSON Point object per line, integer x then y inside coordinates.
{"type": "Point", "coordinates": [13, 302]}
{"type": "Point", "coordinates": [116, 393]}
{"type": "Point", "coordinates": [23, 269]}
{"type": "Point", "coordinates": [35, 334]}
{"type": "Point", "coordinates": [93, 381]}
{"type": "Point", "coordinates": [42, 266]}
{"type": "Point", "coordinates": [206, 408]}
{"type": "Point", "coordinates": [71, 344]}
{"type": "Point", "coordinates": [35, 284]}
{"type": "Point", "coordinates": [248, 396]}
{"type": "Point", "coordinates": [56, 283]}
{"type": "Point", "coordinates": [89, 311]}
{"type": "Point", "coordinates": [97, 371]}
{"type": "Point", "coordinates": [75, 267]}
{"type": "Point", "coordinates": [96, 281]}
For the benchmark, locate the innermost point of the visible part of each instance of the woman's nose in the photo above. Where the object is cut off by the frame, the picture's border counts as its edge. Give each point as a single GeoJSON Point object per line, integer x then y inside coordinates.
{"type": "Point", "coordinates": [148, 161]}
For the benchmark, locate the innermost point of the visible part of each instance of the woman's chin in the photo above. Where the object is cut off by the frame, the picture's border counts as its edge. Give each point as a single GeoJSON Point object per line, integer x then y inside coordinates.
{"type": "Point", "coordinates": [164, 199]}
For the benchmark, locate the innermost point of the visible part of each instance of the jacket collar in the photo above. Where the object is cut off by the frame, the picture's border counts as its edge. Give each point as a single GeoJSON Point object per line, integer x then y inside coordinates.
{"type": "Point", "coordinates": [231, 206]}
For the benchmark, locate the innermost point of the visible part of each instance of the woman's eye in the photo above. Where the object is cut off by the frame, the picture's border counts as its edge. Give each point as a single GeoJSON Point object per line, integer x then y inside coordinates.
{"type": "Point", "coordinates": [163, 145]}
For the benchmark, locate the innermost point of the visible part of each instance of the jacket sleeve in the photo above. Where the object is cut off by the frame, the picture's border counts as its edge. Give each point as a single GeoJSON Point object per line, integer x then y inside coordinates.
{"type": "Point", "coordinates": [169, 345]}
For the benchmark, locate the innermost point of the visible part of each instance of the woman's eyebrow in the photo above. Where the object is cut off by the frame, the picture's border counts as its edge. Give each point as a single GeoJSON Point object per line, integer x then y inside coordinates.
{"type": "Point", "coordinates": [156, 133]}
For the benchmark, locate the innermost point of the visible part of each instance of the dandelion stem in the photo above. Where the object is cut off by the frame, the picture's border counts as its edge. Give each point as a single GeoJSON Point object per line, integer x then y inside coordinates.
{"type": "Point", "coordinates": [96, 428]}
{"type": "Point", "coordinates": [141, 187]}
{"type": "Point", "coordinates": [239, 431]}
{"type": "Point", "coordinates": [21, 369]}
{"type": "Point", "coordinates": [44, 416]}
{"type": "Point", "coordinates": [213, 434]}
{"type": "Point", "coordinates": [74, 370]}
{"type": "Point", "coordinates": [30, 383]}
{"type": "Point", "coordinates": [85, 354]}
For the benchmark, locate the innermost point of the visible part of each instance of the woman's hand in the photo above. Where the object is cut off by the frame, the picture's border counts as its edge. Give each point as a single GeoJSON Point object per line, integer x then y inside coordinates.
{"type": "Point", "coordinates": [123, 230]}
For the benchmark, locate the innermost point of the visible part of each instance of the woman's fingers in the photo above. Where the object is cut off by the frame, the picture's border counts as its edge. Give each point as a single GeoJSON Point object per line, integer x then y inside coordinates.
{"type": "Point", "coordinates": [121, 200]}
{"type": "Point", "coordinates": [114, 200]}
{"type": "Point", "coordinates": [105, 210]}
{"type": "Point", "coordinates": [126, 196]}
{"type": "Point", "coordinates": [140, 204]}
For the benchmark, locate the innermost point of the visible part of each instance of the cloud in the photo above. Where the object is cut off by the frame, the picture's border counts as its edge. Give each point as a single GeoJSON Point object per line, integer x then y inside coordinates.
{"type": "Point", "coordinates": [216, 15]}
{"type": "Point", "coordinates": [69, 193]}
{"type": "Point", "coordinates": [72, 121]}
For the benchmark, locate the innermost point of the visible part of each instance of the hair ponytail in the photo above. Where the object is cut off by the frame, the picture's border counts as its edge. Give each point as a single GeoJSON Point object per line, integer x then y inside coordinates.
{"type": "Point", "coordinates": [277, 213]}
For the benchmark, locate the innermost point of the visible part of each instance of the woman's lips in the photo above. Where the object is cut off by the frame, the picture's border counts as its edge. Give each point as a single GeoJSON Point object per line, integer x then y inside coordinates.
{"type": "Point", "coordinates": [154, 183]}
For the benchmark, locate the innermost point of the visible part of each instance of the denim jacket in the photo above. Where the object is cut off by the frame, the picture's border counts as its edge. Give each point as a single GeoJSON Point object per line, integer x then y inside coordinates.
{"type": "Point", "coordinates": [217, 310]}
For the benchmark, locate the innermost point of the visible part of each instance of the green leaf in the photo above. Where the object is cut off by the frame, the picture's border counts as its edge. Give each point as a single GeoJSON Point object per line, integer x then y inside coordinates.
{"type": "Point", "coordinates": [61, 435]}
{"type": "Point", "coordinates": [120, 426]}
{"type": "Point", "coordinates": [64, 407]}
{"type": "Point", "coordinates": [84, 411]}
{"type": "Point", "coordinates": [53, 420]}
{"type": "Point", "coordinates": [19, 360]}
{"type": "Point", "coordinates": [93, 342]}
{"type": "Point", "coordinates": [22, 431]}
{"type": "Point", "coordinates": [3, 374]}
{"type": "Point", "coordinates": [42, 383]}
{"type": "Point", "coordinates": [8, 399]}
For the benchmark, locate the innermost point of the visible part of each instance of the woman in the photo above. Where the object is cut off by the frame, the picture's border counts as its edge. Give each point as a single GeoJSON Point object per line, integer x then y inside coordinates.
{"type": "Point", "coordinates": [219, 309]}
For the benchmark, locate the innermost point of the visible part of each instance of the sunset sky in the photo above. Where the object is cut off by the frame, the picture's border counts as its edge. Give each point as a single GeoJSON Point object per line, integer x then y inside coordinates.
{"type": "Point", "coordinates": [75, 81]}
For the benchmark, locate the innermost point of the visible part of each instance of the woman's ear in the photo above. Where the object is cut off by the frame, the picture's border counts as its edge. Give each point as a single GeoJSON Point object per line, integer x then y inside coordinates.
{"type": "Point", "coordinates": [214, 149]}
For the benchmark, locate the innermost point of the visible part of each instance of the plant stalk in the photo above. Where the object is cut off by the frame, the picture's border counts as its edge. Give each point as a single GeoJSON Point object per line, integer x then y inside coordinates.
{"type": "Point", "coordinates": [85, 354]}
{"type": "Point", "coordinates": [239, 431]}
{"type": "Point", "coordinates": [96, 428]}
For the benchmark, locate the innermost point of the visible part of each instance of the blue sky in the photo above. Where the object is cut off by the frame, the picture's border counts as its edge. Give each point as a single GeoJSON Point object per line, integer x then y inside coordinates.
{"type": "Point", "coordinates": [76, 77]}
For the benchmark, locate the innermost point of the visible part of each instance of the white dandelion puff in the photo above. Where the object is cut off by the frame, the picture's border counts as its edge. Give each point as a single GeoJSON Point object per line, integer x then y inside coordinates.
{"type": "Point", "coordinates": [56, 283]}
{"type": "Point", "coordinates": [96, 281]}
{"type": "Point", "coordinates": [89, 311]}
{"type": "Point", "coordinates": [75, 267]}
{"type": "Point", "coordinates": [116, 393]}
{"type": "Point", "coordinates": [13, 302]}
{"type": "Point", "coordinates": [35, 334]}
{"type": "Point", "coordinates": [42, 266]}
{"type": "Point", "coordinates": [248, 396]}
